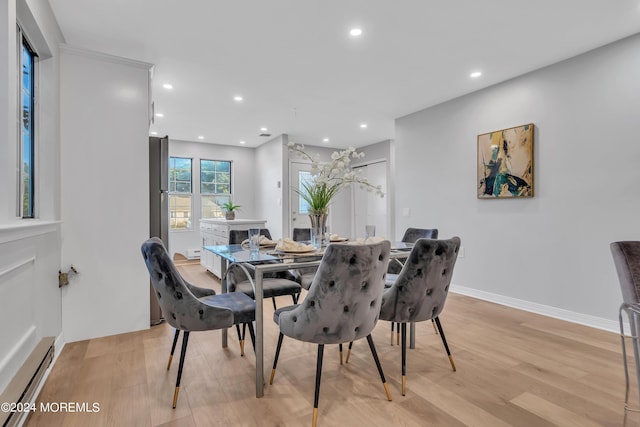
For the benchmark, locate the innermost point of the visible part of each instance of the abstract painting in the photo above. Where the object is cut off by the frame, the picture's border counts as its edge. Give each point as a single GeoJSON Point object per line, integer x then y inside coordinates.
{"type": "Point", "coordinates": [505, 163]}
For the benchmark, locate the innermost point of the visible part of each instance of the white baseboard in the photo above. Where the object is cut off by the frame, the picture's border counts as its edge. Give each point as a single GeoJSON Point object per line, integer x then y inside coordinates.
{"type": "Point", "coordinates": [545, 310]}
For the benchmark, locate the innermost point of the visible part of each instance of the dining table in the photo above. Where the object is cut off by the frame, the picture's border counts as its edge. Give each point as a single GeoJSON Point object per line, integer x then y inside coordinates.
{"type": "Point", "coordinates": [266, 260]}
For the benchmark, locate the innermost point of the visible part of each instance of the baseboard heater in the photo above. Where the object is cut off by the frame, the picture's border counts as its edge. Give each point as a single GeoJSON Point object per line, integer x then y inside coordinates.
{"type": "Point", "coordinates": [24, 384]}
{"type": "Point", "coordinates": [193, 254]}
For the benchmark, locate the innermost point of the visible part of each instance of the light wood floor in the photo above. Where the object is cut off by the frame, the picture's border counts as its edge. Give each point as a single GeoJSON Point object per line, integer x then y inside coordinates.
{"type": "Point", "coordinates": [514, 368]}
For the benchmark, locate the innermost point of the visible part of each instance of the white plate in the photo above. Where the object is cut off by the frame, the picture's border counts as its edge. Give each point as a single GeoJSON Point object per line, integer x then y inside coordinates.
{"type": "Point", "coordinates": [297, 251]}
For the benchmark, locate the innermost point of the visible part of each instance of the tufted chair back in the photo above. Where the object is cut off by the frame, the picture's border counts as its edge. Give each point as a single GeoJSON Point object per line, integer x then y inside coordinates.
{"type": "Point", "coordinates": [301, 234]}
{"type": "Point", "coordinates": [626, 257]}
{"type": "Point", "coordinates": [413, 234]}
{"type": "Point", "coordinates": [238, 236]}
{"type": "Point", "coordinates": [422, 286]}
{"type": "Point", "coordinates": [343, 302]}
{"type": "Point", "coordinates": [180, 307]}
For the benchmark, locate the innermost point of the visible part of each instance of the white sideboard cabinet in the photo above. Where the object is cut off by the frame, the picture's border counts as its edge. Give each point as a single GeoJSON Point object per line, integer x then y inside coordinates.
{"type": "Point", "coordinates": [214, 232]}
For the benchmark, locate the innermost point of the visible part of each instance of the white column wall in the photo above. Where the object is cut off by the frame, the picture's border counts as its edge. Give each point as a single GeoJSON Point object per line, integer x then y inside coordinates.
{"type": "Point", "coordinates": [268, 196]}
{"type": "Point", "coordinates": [105, 193]}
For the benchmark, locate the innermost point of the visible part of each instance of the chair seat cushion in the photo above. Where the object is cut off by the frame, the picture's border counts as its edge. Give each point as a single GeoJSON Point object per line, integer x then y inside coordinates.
{"type": "Point", "coordinates": [270, 287]}
{"type": "Point", "coordinates": [243, 306]}
{"type": "Point", "coordinates": [306, 279]}
{"type": "Point", "coordinates": [304, 276]}
{"type": "Point", "coordinates": [278, 312]}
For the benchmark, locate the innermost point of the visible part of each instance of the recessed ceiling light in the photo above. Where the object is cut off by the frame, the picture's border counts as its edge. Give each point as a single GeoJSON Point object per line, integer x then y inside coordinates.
{"type": "Point", "coordinates": [237, 98]}
{"type": "Point", "coordinates": [325, 140]}
{"type": "Point", "coordinates": [355, 32]}
{"type": "Point", "coordinates": [167, 86]}
{"type": "Point", "coordinates": [363, 125]}
{"type": "Point", "coordinates": [242, 142]}
{"type": "Point", "coordinates": [159, 115]}
{"type": "Point", "coordinates": [476, 74]}
{"type": "Point", "coordinates": [263, 129]}
{"type": "Point", "coordinates": [201, 137]}
{"type": "Point", "coordinates": [154, 133]}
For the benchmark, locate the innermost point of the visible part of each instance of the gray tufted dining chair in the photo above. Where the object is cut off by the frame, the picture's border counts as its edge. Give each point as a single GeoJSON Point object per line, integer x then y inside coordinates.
{"type": "Point", "coordinates": [198, 293]}
{"type": "Point", "coordinates": [186, 312]}
{"type": "Point", "coordinates": [342, 304]}
{"type": "Point", "coordinates": [304, 276]}
{"type": "Point", "coordinates": [301, 234]}
{"type": "Point", "coordinates": [236, 237]}
{"type": "Point", "coordinates": [421, 290]}
{"type": "Point", "coordinates": [626, 257]}
{"type": "Point", "coordinates": [410, 236]}
{"type": "Point", "coordinates": [274, 284]}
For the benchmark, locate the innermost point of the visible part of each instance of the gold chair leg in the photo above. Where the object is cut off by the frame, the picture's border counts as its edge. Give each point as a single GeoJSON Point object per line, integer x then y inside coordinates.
{"type": "Point", "coordinates": [175, 397]}
{"type": "Point", "coordinates": [374, 353]}
{"type": "Point", "coordinates": [349, 352]}
{"type": "Point", "coordinates": [391, 336]}
{"type": "Point", "coordinates": [386, 389]}
{"type": "Point", "coordinates": [444, 342]}
{"type": "Point", "coordinates": [404, 384]}
{"type": "Point", "coordinates": [275, 359]}
{"type": "Point", "coordinates": [315, 417]}
{"type": "Point", "coordinates": [242, 348]}
{"type": "Point", "coordinates": [185, 342]}
{"type": "Point", "coordinates": [170, 359]}
{"type": "Point", "coordinates": [173, 347]}
{"type": "Point", "coordinates": [340, 354]}
{"type": "Point", "coordinates": [434, 326]}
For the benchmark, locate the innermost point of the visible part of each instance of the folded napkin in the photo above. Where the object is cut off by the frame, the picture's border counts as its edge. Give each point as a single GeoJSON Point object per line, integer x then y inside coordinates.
{"type": "Point", "coordinates": [368, 240]}
{"type": "Point", "coordinates": [288, 245]}
{"type": "Point", "coordinates": [336, 238]}
{"type": "Point", "coordinates": [264, 241]}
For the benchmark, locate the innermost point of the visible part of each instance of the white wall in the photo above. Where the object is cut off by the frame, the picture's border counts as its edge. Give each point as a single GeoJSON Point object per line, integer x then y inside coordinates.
{"type": "Point", "coordinates": [242, 184]}
{"type": "Point", "coordinates": [383, 150]}
{"type": "Point", "coordinates": [553, 249]}
{"type": "Point", "coordinates": [105, 192]}
{"type": "Point", "coordinates": [269, 172]}
{"type": "Point", "coordinates": [30, 306]}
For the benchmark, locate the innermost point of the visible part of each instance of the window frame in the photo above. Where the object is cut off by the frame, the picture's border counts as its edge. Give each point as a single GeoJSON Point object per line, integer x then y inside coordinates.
{"type": "Point", "coordinates": [30, 211]}
{"type": "Point", "coordinates": [174, 193]}
{"type": "Point", "coordinates": [218, 197]}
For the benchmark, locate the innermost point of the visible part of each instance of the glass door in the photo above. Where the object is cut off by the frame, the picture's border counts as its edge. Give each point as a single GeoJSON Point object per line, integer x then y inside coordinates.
{"type": "Point", "coordinates": [300, 172]}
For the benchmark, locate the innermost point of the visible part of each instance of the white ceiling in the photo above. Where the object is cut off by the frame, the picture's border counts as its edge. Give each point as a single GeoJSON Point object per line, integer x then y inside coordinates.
{"type": "Point", "coordinates": [301, 73]}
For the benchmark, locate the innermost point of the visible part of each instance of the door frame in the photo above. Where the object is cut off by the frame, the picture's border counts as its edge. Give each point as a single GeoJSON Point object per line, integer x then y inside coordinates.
{"type": "Point", "coordinates": [390, 215]}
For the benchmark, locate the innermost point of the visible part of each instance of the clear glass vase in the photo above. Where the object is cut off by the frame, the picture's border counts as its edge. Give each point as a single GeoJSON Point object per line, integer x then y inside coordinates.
{"type": "Point", "coordinates": [318, 229]}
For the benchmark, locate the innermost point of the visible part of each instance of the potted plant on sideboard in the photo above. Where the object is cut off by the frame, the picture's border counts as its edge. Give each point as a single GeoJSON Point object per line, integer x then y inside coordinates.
{"type": "Point", "coordinates": [230, 209]}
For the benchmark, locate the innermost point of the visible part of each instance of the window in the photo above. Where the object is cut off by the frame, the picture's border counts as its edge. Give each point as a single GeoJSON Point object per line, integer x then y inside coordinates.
{"type": "Point", "coordinates": [304, 177]}
{"type": "Point", "coordinates": [180, 193]}
{"type": "Point", "coordinates": [27, 99]}
{"type": "Point", "coordinates": [215, 187]}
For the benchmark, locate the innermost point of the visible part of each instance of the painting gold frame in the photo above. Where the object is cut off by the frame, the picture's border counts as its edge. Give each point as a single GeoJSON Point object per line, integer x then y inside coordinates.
{"type": "Point", "coordinates": [505, 163]}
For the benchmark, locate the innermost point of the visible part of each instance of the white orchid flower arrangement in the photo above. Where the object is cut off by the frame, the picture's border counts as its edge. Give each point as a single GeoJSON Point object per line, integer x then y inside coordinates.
{"type": "Point", "coordinates": [329, 178]}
